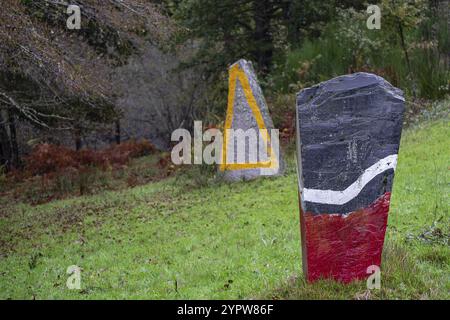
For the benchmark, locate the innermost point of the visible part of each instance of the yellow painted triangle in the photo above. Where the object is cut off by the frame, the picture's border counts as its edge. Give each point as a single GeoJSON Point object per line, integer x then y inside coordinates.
{"type": "Point", "coordinates": [235, 74]}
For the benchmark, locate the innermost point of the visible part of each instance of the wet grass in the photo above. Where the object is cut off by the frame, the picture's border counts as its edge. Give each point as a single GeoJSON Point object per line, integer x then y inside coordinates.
{"type": "Point", "coordinates": [178, 238]}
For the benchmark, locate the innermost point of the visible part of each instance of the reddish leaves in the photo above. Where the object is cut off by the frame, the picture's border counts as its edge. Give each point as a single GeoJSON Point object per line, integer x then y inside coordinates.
{"type": "Point", "coordinates": [49, 158]}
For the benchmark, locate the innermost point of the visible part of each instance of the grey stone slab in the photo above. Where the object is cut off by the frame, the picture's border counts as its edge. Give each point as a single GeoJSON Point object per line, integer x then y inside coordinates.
{"type": "Point", "coordinates": [345, 126]}
{"type": "Point", "coordinates": [244, 119]}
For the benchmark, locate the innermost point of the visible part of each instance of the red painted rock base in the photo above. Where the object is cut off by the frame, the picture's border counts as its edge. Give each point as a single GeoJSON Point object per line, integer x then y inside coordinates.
{"type": "Point", "coordinates": [342, 247]}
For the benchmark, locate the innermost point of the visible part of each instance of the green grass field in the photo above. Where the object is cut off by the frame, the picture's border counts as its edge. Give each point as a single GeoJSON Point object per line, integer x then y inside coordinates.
{"type": "Point", "coordinates": [175, 239]}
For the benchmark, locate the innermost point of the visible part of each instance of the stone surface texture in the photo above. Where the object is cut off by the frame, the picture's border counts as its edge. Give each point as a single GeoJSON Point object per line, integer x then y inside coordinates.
{"type": "Point", "coordinates": [348, 136]}
{"type": "Point", "coordinates": [244, 118]}
{"type": "Point", "coordinates": [345, 126]}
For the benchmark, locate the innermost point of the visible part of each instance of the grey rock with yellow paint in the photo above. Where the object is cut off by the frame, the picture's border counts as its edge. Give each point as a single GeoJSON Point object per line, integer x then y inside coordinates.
{"type": "Point", "coordinates": [245, 126]}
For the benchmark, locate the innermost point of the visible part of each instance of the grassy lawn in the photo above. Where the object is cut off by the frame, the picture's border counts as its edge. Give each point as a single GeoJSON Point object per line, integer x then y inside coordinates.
{"type": "Point", "coordinates": [176, 239]}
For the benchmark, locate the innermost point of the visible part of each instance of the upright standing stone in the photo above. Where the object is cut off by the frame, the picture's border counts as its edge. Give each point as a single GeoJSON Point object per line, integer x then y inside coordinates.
{"type": "Point", "coordinates": [250, 145]}
{"type": "Point", "coordinates": [348, 135]}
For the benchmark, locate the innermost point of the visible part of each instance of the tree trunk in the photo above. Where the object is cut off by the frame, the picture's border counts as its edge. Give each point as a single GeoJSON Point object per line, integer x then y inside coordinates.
{"type": "Point", "coordinates": [292, 11]}
{"type": "Point", "coordinates": [405, 51]}
{"type": "Point", "coordinates": [117, 136]}
{"type": "Point", "coordinates": [403, 44]}
{"type": "Point", "coordinates": [5, 146]}
{"type": "Point", "coordinates": [9, 148]}
{"type": "Point", "coordinates": [262, 12]}
{"type": "Point", "coordinates": [15, 159]}
{"type": "Point", "coordinates": [78, 143]}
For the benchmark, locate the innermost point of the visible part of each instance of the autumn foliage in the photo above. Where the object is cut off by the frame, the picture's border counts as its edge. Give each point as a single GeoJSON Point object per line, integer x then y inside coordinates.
{"type": "Point", "coordinates": [48, 158]}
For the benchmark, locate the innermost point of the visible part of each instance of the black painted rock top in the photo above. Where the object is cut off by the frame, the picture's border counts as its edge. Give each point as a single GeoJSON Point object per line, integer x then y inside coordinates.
{"type": "Point", "coordinates": [348, 135]}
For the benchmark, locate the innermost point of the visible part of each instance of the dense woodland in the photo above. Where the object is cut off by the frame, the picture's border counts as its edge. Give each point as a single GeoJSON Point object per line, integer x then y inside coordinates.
{"type": "Point", "coordinates": [142, 68]}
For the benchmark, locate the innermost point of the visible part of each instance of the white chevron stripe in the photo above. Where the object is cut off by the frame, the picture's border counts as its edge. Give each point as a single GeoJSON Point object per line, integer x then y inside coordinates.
{"type": "Point", "coordinates": [342, 197]}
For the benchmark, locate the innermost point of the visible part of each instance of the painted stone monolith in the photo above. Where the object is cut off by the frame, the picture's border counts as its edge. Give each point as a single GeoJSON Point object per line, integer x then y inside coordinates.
{"type": "Point", "coordinates": [348, 135]}
{"type": "Point", "coordinates": [250, 143]}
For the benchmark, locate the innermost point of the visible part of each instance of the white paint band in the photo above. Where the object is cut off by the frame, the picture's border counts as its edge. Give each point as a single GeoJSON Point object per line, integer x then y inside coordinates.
{"type": "Point", "coordinates": [342, 197]}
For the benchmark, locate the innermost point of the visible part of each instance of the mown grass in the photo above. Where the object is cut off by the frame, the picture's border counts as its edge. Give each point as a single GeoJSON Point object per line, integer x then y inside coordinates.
{"type": "Point", "coordinates": [179, 239]}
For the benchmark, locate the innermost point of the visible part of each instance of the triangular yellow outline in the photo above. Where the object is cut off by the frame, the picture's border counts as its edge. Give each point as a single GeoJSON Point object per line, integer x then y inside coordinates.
{"type": "Point", "coordinates": [236, 74]}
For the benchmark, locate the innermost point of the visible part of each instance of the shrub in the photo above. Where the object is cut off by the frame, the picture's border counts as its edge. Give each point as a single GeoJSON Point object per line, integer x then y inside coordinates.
{"type": "Point", "coordinates": [48, 158]}
{"type": "Point", "coordinates": [53, 171]}
{"type": "Point", "coordinates": [425, 74]}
